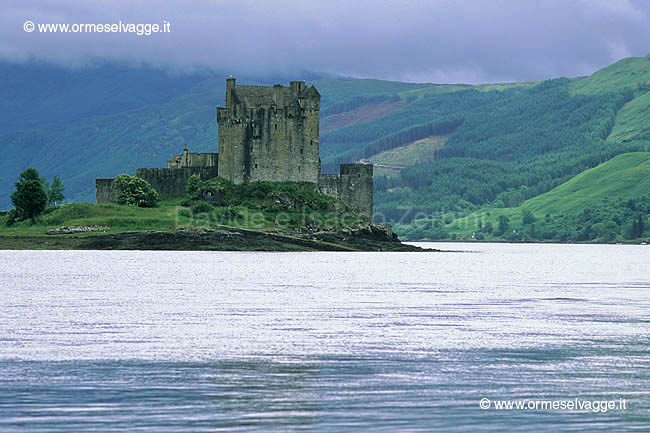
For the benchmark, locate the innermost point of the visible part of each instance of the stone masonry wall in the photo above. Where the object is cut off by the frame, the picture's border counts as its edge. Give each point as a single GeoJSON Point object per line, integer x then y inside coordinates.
{"type": "Point", "coordinates": [168, 182]}
{"type": "Point", "coordinates": [104, 192]}
{"type": "Point", "coordinates": [269, 133]}
{"type": "Point", "coordinates": [171, 182]}
{"type": "Point", "coordinates": [353, 186]}
{"type": "Point", "coordinates": [192, 160]}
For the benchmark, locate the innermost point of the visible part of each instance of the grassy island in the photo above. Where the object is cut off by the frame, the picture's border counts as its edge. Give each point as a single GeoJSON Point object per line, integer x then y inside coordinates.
{"type": "Point", "coordinates": [260, 216]}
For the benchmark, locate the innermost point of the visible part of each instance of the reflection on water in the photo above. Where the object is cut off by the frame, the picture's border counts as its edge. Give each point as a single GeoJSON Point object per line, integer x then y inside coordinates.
{"type": "Point", "coordinates": [188, 341]}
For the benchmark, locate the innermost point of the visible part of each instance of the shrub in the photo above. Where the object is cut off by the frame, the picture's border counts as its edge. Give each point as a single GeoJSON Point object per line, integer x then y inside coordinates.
{"type": "Point", "coordinates": [201, 207]}
{"type": "Point", "coordinates": [12, 217]}
{"type": "Point", "coordinates": [133, 191]}
{"type": "Point", "coordinates": [194, 184]}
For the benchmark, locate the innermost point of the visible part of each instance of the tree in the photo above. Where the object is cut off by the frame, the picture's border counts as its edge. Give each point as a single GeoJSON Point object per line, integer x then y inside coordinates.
{"type": "Point", "coordinates": [30, 198]}
{"type": "Point", "coordinates": [606, 230]}
{"type": "Point", "coordinates": [134, 191]}
{"type": "Point", "coordinates": [610, 231]}
{"type": "Point", "coordinates": [637, 228]}
{"type": "Point", "coordinates": [504, 225]}
{"type": "Point", "coordinates": [55, 193]}
{"type": "Point", "coordinates": [633, 231]}
{"type": "Point", "coordinates": [640, 226]}
{"type": "Point", "coordinates": [54, 190]}
{"type": "Point", "coordinates": [527, 217]}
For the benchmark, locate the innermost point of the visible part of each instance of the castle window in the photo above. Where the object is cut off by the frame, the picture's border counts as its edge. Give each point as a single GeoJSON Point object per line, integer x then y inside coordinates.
{"type": "Point", "coordinates": [276, 126]}
{"type": "Point", "coordinates": [298, 169]}
{"type": "Point", "coordinates": [255, 165]}
{"type": "Point", "coordinates": [311, 142]}
{"type": "Point", "coordinates": [301, 150]}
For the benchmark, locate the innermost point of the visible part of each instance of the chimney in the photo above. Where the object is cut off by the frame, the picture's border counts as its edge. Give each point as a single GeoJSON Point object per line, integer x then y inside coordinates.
{"type": "Point", "coordinates": [297, 86]}
{"type": "Point", "coordinates": [230, 86]}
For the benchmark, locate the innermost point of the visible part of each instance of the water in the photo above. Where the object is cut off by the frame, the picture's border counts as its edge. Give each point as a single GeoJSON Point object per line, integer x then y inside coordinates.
{"type": "Point", "coordinates": [326, 342]}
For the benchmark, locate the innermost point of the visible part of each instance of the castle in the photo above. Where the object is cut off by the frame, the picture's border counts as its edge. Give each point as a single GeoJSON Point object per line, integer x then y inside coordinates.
{"type": "Point", "coordinates": [265, 134]}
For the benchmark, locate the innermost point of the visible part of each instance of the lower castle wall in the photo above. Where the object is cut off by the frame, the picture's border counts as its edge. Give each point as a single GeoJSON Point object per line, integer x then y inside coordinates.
{"type": "Point", "coordinates": [171, 182]}
{"type": "Point", "coordinates": [353, 186]}
{"type": "Point", "coordinates": [104, 191]}
{"type": "Point", "coordinates": [193, 160]}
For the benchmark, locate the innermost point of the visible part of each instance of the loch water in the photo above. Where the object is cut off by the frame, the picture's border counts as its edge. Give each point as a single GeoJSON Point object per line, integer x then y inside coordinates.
{"type": "Point", "coordinates": [141, 341]}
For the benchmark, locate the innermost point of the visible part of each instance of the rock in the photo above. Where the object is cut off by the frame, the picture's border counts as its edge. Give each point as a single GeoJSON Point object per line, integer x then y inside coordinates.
{"type": "Point", "coordinates": [66, 230]}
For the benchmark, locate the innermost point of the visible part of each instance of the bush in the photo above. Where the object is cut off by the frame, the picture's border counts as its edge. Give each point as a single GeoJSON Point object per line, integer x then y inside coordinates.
{"type": "Point", "coordinates": [12, 217]}
{"type": "Point", "coordinates": [133, 191]}
{"type": "Point", "coordinates": [194, 184]}
{"type": "Point", "coordinates": [202, 207]}
{"type": "Point", "coordinates": [185, 213]}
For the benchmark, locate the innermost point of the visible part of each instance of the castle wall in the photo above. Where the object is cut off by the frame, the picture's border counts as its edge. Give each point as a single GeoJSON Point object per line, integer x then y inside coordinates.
{"type": "Point", "coordinates": [193, 160]}
{"type": "Point", "coordinates": [353, 186]}
{"type": "Point", "coordinates": [171, 182]}
{"type": "Point", "coordinates": [104, 192]}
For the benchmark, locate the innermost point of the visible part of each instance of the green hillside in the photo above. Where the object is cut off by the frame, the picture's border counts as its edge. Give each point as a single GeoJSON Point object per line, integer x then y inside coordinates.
{"type": "Point", "coordinates": [628, 73]}
{"type": "Point", "coordinates": [633, 121]}
{"type": "Point", "coordinates": [611, 195]}
{"type": "Point", "coordinates": [504, 143]}
{"type": "Point", "coordinates": [632, 74]}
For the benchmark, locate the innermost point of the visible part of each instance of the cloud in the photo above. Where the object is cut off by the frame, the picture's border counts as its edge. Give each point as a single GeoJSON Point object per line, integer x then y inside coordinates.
{"type": "Point", "coordinates": [413, 40]}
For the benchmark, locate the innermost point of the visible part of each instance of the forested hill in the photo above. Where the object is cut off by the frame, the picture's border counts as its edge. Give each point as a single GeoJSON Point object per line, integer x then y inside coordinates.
{"type": "Point", "coordinates": [437, 148]}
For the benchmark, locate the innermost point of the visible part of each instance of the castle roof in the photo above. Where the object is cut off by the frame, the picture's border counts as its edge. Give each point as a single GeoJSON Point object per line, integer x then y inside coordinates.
{"type": "Point", "coordinates": [257, 95]}
{"type": "Point", "coordinates": [272, 95]}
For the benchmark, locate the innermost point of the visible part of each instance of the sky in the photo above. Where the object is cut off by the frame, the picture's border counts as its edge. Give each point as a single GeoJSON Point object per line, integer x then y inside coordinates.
{"type": "Point", "coordinates": [441, 41]}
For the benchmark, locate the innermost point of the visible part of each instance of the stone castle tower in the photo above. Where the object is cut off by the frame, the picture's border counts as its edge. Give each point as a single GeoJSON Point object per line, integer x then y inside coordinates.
{"type": "Point", "coordinates": [269, 133]}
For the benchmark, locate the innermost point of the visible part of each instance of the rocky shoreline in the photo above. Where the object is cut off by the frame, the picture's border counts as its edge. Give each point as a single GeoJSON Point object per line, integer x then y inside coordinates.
{"type": "Point", "coordinates": [369, 237]}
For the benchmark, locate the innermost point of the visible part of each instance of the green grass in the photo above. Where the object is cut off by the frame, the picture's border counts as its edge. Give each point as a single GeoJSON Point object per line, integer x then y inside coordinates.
{"type": "Point", "coordinates": [431, 89]}
{"type": "Point", "coordinates": [118, 218]}
{"type": "Point", "coordinates": [633, 73]}
{"type": "Point", "coordinates": [336, 90]}
{"type": "Point", "coordinates": [266, 206]}
{"type": "Point", "coordinates": [437, 89]}
{"type": "Point", "coordinates": [625, 74]}
{"type": "Point", "coordinates": [624, 177]}
{"type": "Point", "coordinates": [504, 86]}
{"type": "Point", "coordinates": [633, 120]}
